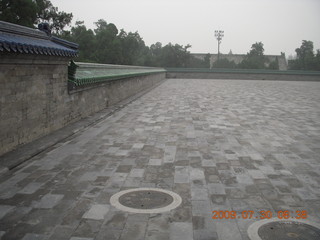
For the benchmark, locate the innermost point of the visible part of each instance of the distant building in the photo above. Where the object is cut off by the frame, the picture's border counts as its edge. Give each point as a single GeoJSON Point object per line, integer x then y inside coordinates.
{"type": "Point", "coordinates": [237, 58]}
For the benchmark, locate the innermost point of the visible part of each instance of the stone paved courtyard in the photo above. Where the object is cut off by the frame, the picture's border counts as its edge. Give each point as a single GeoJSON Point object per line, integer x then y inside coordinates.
{"type": "Point", "coordinates": [222, 145]}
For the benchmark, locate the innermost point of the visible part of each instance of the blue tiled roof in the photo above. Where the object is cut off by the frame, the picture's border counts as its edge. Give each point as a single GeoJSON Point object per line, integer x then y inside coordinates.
{"type": "Point", "coordinates": [18, 39]}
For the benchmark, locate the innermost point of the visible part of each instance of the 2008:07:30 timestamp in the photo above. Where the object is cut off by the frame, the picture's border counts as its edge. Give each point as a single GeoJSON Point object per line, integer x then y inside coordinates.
{"type": "Point", "coordinates": [248, 214]}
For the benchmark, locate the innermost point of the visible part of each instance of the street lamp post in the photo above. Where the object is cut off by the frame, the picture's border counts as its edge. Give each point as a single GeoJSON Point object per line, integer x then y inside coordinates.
{"type": "Point", "coordinates": [219, 35]}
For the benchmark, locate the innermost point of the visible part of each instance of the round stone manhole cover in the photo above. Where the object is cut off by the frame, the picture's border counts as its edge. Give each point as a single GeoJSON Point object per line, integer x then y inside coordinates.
{"type": "Point", "coordinates": [288, 230]}
{"type": "Point", "coordinates": [145, 200]}
{"type": "Point", "coordinates": [272, 229]}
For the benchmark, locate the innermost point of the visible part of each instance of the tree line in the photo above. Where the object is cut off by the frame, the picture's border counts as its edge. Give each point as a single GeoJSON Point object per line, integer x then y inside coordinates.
{"type": "Point", "coordinates": [107, 44]}
{"type": "Point", "coordinates": [306, 58]}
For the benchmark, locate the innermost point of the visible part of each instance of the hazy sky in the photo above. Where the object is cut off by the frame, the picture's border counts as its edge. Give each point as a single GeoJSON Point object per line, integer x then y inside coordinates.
{"type": "Point", "coordinates": [280, 24]}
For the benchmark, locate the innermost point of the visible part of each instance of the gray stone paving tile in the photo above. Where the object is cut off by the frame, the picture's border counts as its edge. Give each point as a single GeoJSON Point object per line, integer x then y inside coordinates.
{"type": "Point", "coordinates": [14, 216]}
{"type": "Point", "coordinates": [42, 220]}
{"type": "Point", "coordinates": [97, 212]}
{"type": "Point", "coordinates": [155, 162]}
{"type": "Point", "coordinates": [208, 163]}
{"type": "Point", "coordinates": [93, 192]}
{"type": "Point", "coordinates": [199, 194]}
{"type": "Point", "coordinates": [115, 219]}
{"type": "Point", "coordinates": [80, 238]}
{"type": "Point", "coordinates": [181, 230]}
{"type": "Point", "coordinates": [136, 173]}
{"type": "Point", "coordinates": [158, 227]}
{"type": "Point", "coordinates": [135, 227]}
{"type": "Point", "coordinates": [34, 236]}
{"type": "Point", "coordinates": [49, 201]}
{"type": "Point", "coordinates": [227, 229]}
{"type": "Point", "coordinates": [8, 192]}
{"type": "Point", "coordinates": [132, 182]}
{"type": "Point", "coordinates": [108, 233]}
{"type": "Point", "coordinates": [138, 145]}
{"type": "Point", "coordinates": [201, 208]}
{"type": "Point", "coordinates": [181, 175]}
{"type": "Point", "coordinates": [169, 154]}
{"type": "Point", "coordinates": [87, 228]}
{"type": "Point", "coordinates": [4, 209]}
{"type": "Point", "coordinates": [256, 174]}
{"type": "Point", "coordinates": [18, 232]}
{"type": "Point", "coordinates": [216, 188]}
{"type": "Point", "coordinates": [204, 234]}
{"type": "Point", "coordinates": [196, 174]}
{"type": "Point", "coordinates": [62, 233]}
{"type": "Point", "coordinates": [74, 215]}
{"type": "Point", "coordinates": [182, 214]}
{"type": "Point", "coordinates": [306, 194]}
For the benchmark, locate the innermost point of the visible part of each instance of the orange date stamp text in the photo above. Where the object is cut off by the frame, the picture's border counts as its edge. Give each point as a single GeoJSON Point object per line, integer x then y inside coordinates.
{"type": "Point", "coordinates": [263, 214]}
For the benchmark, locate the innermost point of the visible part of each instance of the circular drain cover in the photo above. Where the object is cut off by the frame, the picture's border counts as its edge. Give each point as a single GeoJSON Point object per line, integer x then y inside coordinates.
{"type": "Point", "coordinates": [145, 200]}
{"type": "Point", "coordinates": [271, 229]}
{"type": "Point", "coordinates": [288, 231]}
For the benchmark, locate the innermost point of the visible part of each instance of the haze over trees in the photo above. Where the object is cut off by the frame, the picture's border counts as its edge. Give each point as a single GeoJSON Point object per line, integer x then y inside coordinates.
{"type": "Point", "coordinates": [254, 59]}
{"type": "Point", "coordinates": [107, 44]}
{"type": "Point", "coordinates": [306, 58]}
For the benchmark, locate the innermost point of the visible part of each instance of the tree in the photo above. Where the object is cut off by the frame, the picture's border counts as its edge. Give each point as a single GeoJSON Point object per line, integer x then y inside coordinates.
{"type": "Point", "coordinates": [224, 63]}
{"type": "Point", "coordinates": [22, 12]}
{"type": "Point", "coordinates": [107, 47]}
{"type": "Point", "coordinates": [317, 61]}
{"type": "Point", "coordinates": [134, 50]}
{"type": "Point", "coordinates": [32, 12]}
{"type": "Point", "coordinates": [207, 60]}
{"type": "Point", "coordinates": [257, 49]}
{"type": "Point", "coordinates": [174, 56]}
{"type": "Point", "coordinates": [46, 12]}
{"type": "Point", "coordinates": [254, 59]}
{"type": "Point", "coordinates": [84, 37]}
{"type": "Point", "coordinates": [306, 59]}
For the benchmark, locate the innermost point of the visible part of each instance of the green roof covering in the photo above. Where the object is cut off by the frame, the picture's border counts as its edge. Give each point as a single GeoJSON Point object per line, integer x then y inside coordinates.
{"type": "Point", "coordinates": [90, 73]}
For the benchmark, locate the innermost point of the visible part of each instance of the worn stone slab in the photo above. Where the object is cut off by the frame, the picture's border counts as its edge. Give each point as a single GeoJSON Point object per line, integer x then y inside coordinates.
{"type": "Point", "coordinates": [136, 173]}
{"type": "Point", "coordinates": [181, 175]}
{"type": "Point", "coordinates": [97, 212]}
{"type": "Point", "coordinates": [62, 233]}
{"type": "Point", "coordinates": [169, 154]}
{"type": "Point", "coordinates": [256, 174]}
{"type": "Point", "coordinates": [181, 230]}
{"type": "Point", "coordinates": [31, 188]}
{"type": "Point", "coordinates": [227, 229]}
{"type": "Point", "coordinates": [80, 238]}
{"type": "Point", "coordinates": [4, 209]}
{"type": "Point", "coordinates": [199, 194]}
{"type": "Point", "coordinates": [196, 174]}
{"type": "Point", "coordinates": [155, 162]}
{"type": "Point", "coordinates": [135, 227]}
{"type": "Point", "coordinates": [34, 236]}
{"type": "Point", "coordinates": [49, 201]}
